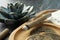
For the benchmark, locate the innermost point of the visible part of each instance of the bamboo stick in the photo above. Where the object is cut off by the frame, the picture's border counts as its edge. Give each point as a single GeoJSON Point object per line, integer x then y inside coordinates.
{"type": "Point", "coordinates": [37, 21]}
{"type": "Point", "coordinates": [4, 33]}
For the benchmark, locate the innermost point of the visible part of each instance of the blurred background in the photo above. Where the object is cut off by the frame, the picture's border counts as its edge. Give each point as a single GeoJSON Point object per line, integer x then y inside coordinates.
{"type": "Point", "coordinates": [39, 5]}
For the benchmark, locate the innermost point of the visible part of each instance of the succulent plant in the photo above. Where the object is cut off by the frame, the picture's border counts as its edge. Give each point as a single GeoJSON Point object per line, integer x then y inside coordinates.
{"type": "Point", "coordinates": [15, 14]}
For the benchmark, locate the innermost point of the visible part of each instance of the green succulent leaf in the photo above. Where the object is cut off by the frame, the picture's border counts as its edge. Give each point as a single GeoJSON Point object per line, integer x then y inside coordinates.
{"type": "Point", "coordinates": [17, 12]}
{"type": "Point", "coordinates": [6, 15]}
{"type": "Point", "coordinates": [25, 18]}
{"type": "Point", "coordinates": [25, 8]}
{"type": "Point", "coordinates": [4, 9]}
{"type": "Point", "coordinates": [16, 5]}
{"type": "Point", "coordinates": [11, 7]}
{"type": "Point", "coordinates": [20, 8]}
{"type": "Point", "coordinates": [30, 10]}
{"type": "Point", "coordinates": [22, 14]}
{"type": "Point", "coordinates": [2, 20]}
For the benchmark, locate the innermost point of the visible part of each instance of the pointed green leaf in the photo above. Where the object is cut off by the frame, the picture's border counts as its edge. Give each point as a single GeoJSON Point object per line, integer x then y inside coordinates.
{"type": "Point", "coordinates": [20, 8]}
{"type": "Point", "coordinates": [31, 9]}
{"type": "Point", "coordinates": [6, 15]}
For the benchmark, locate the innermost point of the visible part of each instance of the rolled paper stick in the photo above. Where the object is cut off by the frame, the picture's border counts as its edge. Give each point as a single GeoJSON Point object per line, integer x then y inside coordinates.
{"type": "Point", "coordinates": [4, 33]}
{"type": "Point", "coordinates": [44, 12]}
{"type": "Point", "coordinates": [37, 21]}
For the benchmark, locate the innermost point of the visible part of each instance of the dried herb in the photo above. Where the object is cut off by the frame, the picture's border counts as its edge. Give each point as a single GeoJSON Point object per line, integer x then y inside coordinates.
{"type": "Point", "coordinates": [39, 37]}
{"type": "Point", "coordinates": [46, 36]}
{"type": "Point", "coordinates": [42, 29]}
{"type": "Point", "coordinates": [53, 36]}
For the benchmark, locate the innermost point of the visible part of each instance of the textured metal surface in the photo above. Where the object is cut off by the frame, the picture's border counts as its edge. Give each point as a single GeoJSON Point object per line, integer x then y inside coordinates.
{"type": "Point", "coordinates": [39, 5]}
